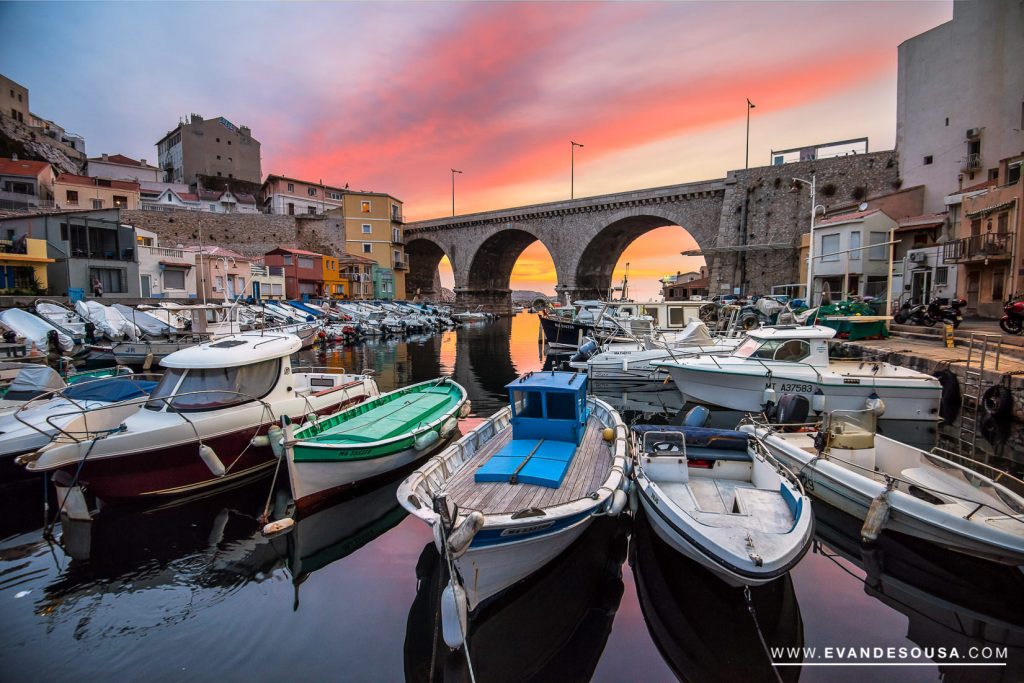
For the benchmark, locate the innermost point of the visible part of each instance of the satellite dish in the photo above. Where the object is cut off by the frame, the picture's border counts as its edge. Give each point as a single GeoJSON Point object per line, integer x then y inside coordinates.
{"type": "Point", "coordinates": [863, 206]}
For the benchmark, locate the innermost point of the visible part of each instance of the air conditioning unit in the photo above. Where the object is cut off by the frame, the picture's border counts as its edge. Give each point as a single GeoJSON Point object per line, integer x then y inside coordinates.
{"type": "Point", "coordinates": [974, 132]}
{"type": "Point", "coordinates": [918, 257]}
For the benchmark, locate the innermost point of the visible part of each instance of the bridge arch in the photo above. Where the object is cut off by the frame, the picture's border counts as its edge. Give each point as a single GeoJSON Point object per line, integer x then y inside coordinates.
{"type": "Point", "coordinates": [424, 256]}
{"type": "Point", "coordinates": [489, 271]}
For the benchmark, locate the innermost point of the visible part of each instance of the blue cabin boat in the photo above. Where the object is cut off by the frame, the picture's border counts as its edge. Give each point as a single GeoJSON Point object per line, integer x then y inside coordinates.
{"type": "Point", "coordinates": [549, 418]}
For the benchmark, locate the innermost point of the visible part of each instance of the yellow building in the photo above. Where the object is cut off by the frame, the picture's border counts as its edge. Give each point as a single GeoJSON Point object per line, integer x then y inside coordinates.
{"type": "Point", "coordinates": [372, 224]}
{"type": "Point", "coordinates": [83, 192]}
{"type": "Point", "coordinates": [23, 266]}
{"type": "Point", "coordinates": [335, 283]}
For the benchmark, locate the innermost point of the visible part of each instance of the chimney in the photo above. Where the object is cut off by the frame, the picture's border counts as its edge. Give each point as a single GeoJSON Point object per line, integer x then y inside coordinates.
{"type": "Point", "coordinates": [142, 161]}
{"type": "Point", "coordinates": [104, 157]}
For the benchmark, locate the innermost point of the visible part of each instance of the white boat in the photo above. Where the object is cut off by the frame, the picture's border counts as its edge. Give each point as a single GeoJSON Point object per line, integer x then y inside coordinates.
{"type": "Point", "coordinates": [789, 359]}
{"type": "Point", "coordinates": [372, 439]}
{"type": "Point", "coordinates": [634, 362]}
{"type": "Point", "coordinates": [35, 331]}
{"type": "Point", "coordinates": [904, 489]}
{"type": "Point", "coordinates": [60, 316]}
{"type": "Point", "coordinates": [109, 321]}
{"type": "Point", "coordinates": [196, 429]}
{"type": "Point", "coordinates": [516, 491]}
{"type": "Point", "coordinates": [719, 499]}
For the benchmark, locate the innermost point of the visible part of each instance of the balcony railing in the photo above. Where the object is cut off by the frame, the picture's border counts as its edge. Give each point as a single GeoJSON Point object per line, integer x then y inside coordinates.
{"type": "Point", "coordinates": [397, 218]}
{"type": "Point", "coordinates": [268, 271]}
{"type": "Point", "coordinates": [166, 252]}
{"type": "Point", "coordinates": [990, 245]}
{"type": "Point", "coordinates": [401, 265]}
{"type": "Point", "coordinates": [971, 162]}
{"type": "Point", "coordinates": [397, 238]}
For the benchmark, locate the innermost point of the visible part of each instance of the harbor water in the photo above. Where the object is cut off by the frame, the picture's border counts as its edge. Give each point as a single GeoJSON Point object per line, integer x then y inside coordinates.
{"type": "Point", "coordinates": [189, 590]}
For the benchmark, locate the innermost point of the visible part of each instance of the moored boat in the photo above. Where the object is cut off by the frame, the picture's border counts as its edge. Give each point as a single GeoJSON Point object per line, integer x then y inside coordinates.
{"type": "Point", "coordinates": [894, 486]}
{"type": "Point", "coordinates": [371, 439]}
{"type": "Point", "coordinates": [196, 429]}
{"type": "Point", "coordinates": [790, 359]}
{"type": "Point", "coordinates": [719, 499]}
{"type": "Point", "coordinates": [516, 491]}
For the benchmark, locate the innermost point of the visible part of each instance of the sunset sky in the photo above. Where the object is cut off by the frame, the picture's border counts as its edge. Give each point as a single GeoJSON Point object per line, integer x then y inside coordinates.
{"type": "Point", "coordinates": [390, 96]}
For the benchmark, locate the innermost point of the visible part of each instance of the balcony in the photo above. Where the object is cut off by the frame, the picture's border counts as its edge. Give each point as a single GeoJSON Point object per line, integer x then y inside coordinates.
{"type": "Point", "coordinates": [397, 218]}
{"type": "Point", "coordinates": [267, 271]}
{"type": "Point", "coordinates": [397, 237]}
{"type": "Point", "coordinates": [971, 162]}
{"type": "Point", "coordinates": [401, 265]}
{"type": "Point", "coordinates": [996, 246]}
{"type": "Point", "coordinates": [165, 252]}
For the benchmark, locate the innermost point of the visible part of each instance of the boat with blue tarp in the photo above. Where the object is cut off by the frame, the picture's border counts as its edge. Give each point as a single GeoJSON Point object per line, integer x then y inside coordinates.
{"type": "Point", "coordinates": [512, 494]}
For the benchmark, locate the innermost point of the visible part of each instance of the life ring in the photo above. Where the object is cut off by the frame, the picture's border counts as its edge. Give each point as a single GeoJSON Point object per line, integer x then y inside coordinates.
{"type": "Point", "coordinates": [997, 401]}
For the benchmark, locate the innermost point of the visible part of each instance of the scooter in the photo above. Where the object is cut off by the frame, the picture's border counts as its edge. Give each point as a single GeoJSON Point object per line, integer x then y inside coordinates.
{"type": "Point", "coordinates": [1012, 321]}
{"type": "Point", "coordinates": [916, 314]}
{"type": "Point", "coordinates": [945, 311]}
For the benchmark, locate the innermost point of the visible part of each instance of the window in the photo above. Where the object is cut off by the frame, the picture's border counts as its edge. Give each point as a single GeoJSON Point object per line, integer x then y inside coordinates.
{"type": "Point", "coordinates": [396, 235]}
{"type": "Point", "coordinates": [229, 142]}
{"type": "Point", "coordinates": [334, 195]}
{"type": "Point", "coordinates": [218, 285]}
{"type": "Point", "coordinates": [942, 275]}
{"type": "Point", "coordinates": [174, 279]}
{"type": "Point", "coordinates": [120, 201]}
{"type": "Point", "coordinates": [291, 187]}
{"type": "Point", "coordinates": [997, 284]}
{"type": "Point", "coordinates": [305, 262]}
{"type": "Point", "coordinates": [218, 140]}
{"type": "Point", "coordinates": [1002, 222]}
{"type": "Point", "coordinates": [213, 208]}
{"type": "Point", "coordinates": [993, 174]}
{"type": "Point", "coordinates": [286, 259]}
{"type": "Point", "coordinates": [829, 247]}
{"type": "Point", "coordinates": [97, 203]}
{"type": "Point", "coordinates": [311, 191]}
{"type": "Point", "coordinates": [364, 207]}
{"type": "Point", "coordinates": [311, 210]}
{"type": "Point", "coordinates": [561, 406]}
{"type": "Point", "coordinates": [73, 197]}
{"type": "Point", "coordinates": [367, 248]}
{"type": "Point", "coordinates": [1013, 173]}
{"type": "Point", "coordinates": [855, 244]}
{"type": "Point", "coordinates": [291, 209]}
{"type": "Point", "coordinates": [928, 160]}
{"type": "Point", "coordinates": [976, 226]}
{"type": "Point", "coordinates": [528, 403]}
{"type": "Point", "coordinates": [947, 120]}
{"type": "Point", "coordinates": [881, 252]}
{"type": "Point", "coordinates": [218, 157]}
{"type": "Point", "coordinates": [218, 173]}
{"type": "Point", "coordinates": [367, 228]}
{"type": "Point", "coordinates": [398, 256]}
{"type": "Point", "coordinates": [112, 279]}
{"type": "Point", "coordinates": [195, 390]}
{"type": "Point", "coordinates": [239, 284]}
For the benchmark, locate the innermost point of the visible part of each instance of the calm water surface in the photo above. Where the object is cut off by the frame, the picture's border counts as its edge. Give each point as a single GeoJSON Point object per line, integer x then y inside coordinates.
{"type": "Point", "coordinates": [192, 591]}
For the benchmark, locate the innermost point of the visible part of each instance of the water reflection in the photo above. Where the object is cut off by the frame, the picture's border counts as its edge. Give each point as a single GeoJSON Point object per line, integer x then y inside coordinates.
{"type": "Point", "coordinates": [950, 600]}
{"type": "Point", "coordinates": [703, 628]}
{"type": "Point", "coordinates": [553, 627]}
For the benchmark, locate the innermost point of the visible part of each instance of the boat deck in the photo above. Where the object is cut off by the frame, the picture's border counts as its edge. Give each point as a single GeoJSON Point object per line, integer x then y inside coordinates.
{"type": "Point", "coordinates": [588, 470]}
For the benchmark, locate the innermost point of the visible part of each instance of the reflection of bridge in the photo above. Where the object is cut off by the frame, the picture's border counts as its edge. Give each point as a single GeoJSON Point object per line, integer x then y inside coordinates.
{"type": "Point", "coordinates": [749, 211]}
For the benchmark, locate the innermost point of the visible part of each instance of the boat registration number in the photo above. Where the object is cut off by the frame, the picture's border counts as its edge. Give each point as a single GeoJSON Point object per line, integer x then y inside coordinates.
{"type": "Point", "coordinates": [797, 388]}
{"type": "Point", "coordinates": [529, 529]}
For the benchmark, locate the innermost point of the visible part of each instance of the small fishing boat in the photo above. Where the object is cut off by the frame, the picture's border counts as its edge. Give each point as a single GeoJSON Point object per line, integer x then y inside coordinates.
{"type": "Point", "coordinates": [60, 316]}
{"type": "Point", "coordinates": [142, 353]}
{"type": "Point", "coordinates": [372, 439]}
{"type": "Point", "coordinates": [212, 399]}
{"type": "Point", "coordinates": [718, 498]}
{"type": "Point", "coordinates": [791, 359]}
{"type": "Point", "coordinates": [608, 321]}
{"type": "Point", "coordinates": [891, 485]}
{"type": "Point", "coordinates": [107, 320]}
{"type": "Point", "coordinates": [512, 494]}
{"type": "Point", "coordinates": [36, 331]}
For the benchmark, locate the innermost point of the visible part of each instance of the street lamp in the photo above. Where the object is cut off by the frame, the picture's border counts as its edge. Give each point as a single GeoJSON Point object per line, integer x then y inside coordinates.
{"type": "Point", "coordinates": [453, 190]}
{"type": "Point", "coordinates": [572, 168]}
{"type": "Point", "coordinates": [746, 159]}
{"type": "Point", "coordinates": [810, 247]}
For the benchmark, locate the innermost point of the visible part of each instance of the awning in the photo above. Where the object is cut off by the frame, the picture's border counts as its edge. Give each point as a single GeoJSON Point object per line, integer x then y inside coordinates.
{"type": "Point", "coordinates": [992, 209]}
{"type": "Point", "coordinates": [175, 264]}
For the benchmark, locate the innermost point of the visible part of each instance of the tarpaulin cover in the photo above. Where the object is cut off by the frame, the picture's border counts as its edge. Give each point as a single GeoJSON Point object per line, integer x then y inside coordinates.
{"type": "Point", "coordinates": [112, 390]}
{"type": "Point", "coordinates": [108, 320]}
{"type": "Point", "coordinates": [149, 324]}
{"type": "Point", "coordinates": [32, 381]}
{"type": "Point", "coordinates": [33, 328]}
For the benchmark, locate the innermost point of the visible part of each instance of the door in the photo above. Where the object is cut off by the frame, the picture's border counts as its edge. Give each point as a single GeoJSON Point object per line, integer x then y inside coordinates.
{"type": "Point", "coordinates": [146, 286]}
{"type": "Point", "coordinates": [973, 286]}
{"type": "Point", "coordinates": [920, 286]}
{"type": "Point", "coordinates": [231, 286]}
{"type": "Point", "coordinates": [256, 290]}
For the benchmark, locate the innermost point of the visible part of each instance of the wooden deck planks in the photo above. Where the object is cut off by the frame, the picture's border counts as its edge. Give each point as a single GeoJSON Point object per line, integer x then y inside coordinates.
{"type": "Point", "coordinates": [587, 472]}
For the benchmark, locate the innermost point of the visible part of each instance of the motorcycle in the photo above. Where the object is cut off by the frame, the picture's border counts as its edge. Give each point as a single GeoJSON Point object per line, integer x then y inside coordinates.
{"type": "Point", "coordinates": [1013, 320]}
{"type": "Point", "coordinates": [942, 310]}
{"type": "Point", "coordinates": [914, 314]}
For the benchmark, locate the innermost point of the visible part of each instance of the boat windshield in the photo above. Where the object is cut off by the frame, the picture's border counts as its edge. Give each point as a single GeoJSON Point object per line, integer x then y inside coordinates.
{"type": "Point", "coordinates": [789, 350]}
{"type": "Point", "coordinates": [193, 390]}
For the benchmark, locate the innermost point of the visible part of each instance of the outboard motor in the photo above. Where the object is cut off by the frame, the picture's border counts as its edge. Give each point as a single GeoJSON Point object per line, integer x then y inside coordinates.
{"type": "Point", "coordinates": [792, 409]}
{"type": "Point", "coordinates": [90, 332]}
{"type": "Point", "coordinates": [697, 416]}
{"type": "Point", "coordinates": [584, 352]}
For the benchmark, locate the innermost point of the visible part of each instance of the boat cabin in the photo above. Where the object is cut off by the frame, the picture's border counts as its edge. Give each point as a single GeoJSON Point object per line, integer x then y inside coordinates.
{"type": "Point", "coordinates": [787, 343]}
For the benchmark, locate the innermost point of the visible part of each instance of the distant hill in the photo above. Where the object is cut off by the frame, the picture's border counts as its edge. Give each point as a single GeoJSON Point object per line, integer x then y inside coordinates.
{"type": "Point", "coordinates": [529, 296]}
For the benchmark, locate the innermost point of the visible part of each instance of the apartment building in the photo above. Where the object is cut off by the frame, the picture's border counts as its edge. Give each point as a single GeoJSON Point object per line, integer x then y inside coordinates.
{"type": "Point", "coordinates": [223, 275]}
{"type": "Point", "coordinates": [290, 196]}
{"type": "Point", "coordinates": [373, 227]}
{"type": "Point", "coordinates": [174, 196]}
{"type": "Point", "coordinates": [81, 191]}
{"type": "Point", "coordinates": [208, 147]}
{"type": "Point", "coordinates": [358, 272]}
{"type": "Point", "coordinates": [960, 99]}
{"type": "Point", "coordinates": [267, 282]}
{"type": "Point", "coordinates": [303, 271]}
{"type": "Point", "coordinates": [14, 100]}
{"type": "Point", "coordinates": [165, 272]}
{"type": "Point", "coordinates": [845, 260]}
{"type": "Point", "coordinates": [120, 167]}
{"type": "Point", "coordinates": [25, 184]}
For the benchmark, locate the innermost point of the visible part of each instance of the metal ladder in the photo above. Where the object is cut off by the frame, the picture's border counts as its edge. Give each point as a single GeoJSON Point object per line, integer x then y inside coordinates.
{"type": "Point", "coordinates": [978, 354]}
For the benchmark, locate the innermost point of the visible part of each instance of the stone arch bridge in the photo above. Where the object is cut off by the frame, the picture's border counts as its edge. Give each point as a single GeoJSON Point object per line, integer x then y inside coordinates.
{"type": "Point", "coordinates": [748, 226]}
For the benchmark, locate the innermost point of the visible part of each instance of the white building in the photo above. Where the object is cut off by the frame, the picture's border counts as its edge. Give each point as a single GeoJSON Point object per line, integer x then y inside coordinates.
{"type": "Point", "coordinates": [164, 272]}
{"type": "Point", "coordinates": [290, 196]}
{"type": "Point", "coordinates": [844, 259]}
{"type": "Point", "coordinates": [120, 167]}
{"type": "Point", "coordinates": [171, 197]}
{"type": "Point", "coordinates": [960, 98]}
{"type": "Point", "coordinates": [266, 282]}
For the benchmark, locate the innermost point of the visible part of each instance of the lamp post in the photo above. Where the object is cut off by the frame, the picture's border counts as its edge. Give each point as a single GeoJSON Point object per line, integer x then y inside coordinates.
{"type": "Point", "coordinates": [453, 190]}
{"type": "Point", "coordinates": [572, 168]}
{"type": "Point", "coordinates": [746, 159]}
{"type": "Point", "coordinates": [810, 246]}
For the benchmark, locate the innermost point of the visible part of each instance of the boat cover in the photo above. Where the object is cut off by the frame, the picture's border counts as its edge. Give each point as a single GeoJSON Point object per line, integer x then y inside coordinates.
{"type": "Point", "coordinates": [111, 390]}
{"type": "Point", "coordinates": [107, 320]}
{"type": "Point", "coordinates": [149, 324]}
{"type": "Point", "coordinates": [695, 332]}
{"type": "Point", "coordinates": [306, 309]}
{"type": "Point", "coordinates": [546, 467]}
{"type": "Point", "coordinates": [60, 317]}
{"type": "Point", "coordinates": [32, 381]}
{"type": "Point", "coordinates": [705, 437]}
{"type": "Point", "coordinates": [33, 328]}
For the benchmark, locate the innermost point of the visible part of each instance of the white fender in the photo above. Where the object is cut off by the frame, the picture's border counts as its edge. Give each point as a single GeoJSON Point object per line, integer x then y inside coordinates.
{"type": "Point", "coordinates": [212, 461]}
{"type": "Point", "coordinates": [818, 403]}
{"type": "Point", "coordinates": [875, 405]}
{"type": "Point", "coordinates": [462, 536]}
{"type": "Point", "coordinates": [466, 409]}
{"type": "Point", "coordinates": [634, 501]}
{"type": "Point", "coordinates": [878, 514]}
{"type": "Point", "coordinates": [72, 503]}
{"type": "Point", "coordinates": [627, 469]}
{"type": "Point", "coordinates": [276, 437]}
{"type": "Point", "coordinates": [768, 396]}
{"type": "Point", "coordinates": [278, 527]}
{"type": "Point", "coordinates": [425, 440]}
{"type": "Point", "coordinates": [449, 426]}
{"type": "Point", "coordinates": [617, 503]}
{"type": "Point", "coordinates": [454, 615]}
{"type": "Point", "coordinates": [260, 441]}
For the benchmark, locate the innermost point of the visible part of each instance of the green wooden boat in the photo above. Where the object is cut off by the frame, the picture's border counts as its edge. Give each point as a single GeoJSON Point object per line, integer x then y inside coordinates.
{"type": "Point", "coordinates": [373, 438]}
